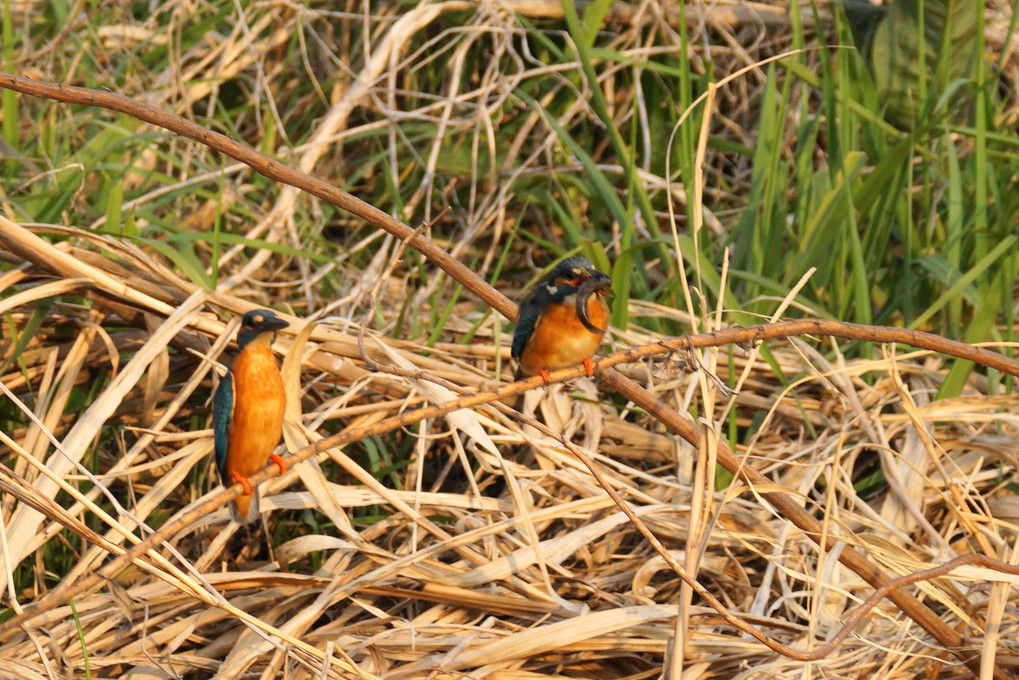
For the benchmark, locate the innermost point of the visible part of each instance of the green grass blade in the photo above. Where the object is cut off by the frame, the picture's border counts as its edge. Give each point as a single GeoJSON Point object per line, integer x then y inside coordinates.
{"type": "Point", "coordinates": [81, 639]}
{"type": "Point", "coordinates": [965, 281]}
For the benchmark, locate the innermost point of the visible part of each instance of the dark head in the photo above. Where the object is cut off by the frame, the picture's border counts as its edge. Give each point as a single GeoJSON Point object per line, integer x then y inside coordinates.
{"type": "Point", "coordinates": [256, 322]}
{"type": "Point", "coordinates": [569, 275]}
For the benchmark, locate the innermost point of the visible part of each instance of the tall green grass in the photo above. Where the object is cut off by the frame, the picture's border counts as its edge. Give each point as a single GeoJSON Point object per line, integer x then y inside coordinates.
{"type": "Point", "coordinates": [907, 225]}
{"type": "Point", "coordinates": [906, 218]}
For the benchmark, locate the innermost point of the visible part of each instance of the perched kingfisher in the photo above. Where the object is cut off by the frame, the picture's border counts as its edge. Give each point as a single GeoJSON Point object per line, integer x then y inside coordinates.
{"type": "Point", "coordinates": [247, 411]}
{"type": "Point", "coordinates": [562, 320]}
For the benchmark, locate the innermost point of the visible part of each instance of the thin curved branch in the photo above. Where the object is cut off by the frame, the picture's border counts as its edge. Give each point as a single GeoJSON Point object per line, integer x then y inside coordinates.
{"type": "Point", "coordinates": [267, 166]}
{"type": "Point", "coordinates": [273, 169]}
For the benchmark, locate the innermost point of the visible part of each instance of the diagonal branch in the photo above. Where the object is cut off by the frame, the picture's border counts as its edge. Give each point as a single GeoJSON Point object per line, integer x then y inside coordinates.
{"type": "Point", "coordinates": [273, 169]}
{"type": "Point", "coordinates": [264, 165]}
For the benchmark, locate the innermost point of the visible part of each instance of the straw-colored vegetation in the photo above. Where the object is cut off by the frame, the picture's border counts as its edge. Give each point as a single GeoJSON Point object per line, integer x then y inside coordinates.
{"type": "Point", "coordinates": [478, 543]}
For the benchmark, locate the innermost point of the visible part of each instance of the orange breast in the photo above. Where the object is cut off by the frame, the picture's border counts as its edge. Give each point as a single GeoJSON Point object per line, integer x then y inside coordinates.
{"type": "Point", "coordinates": [560, 339]}
{"type": "Point", "coordinates": [258, 410]}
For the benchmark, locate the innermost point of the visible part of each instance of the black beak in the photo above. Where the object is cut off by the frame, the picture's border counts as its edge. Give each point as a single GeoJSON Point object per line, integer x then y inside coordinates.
{"type": "Point", "coordinates": [273, 323]}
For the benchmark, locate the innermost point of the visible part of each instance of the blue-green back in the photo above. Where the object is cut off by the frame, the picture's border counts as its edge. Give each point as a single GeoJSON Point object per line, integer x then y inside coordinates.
{"type": "Point", "coordinates": [527, 321]}
{"type": "Point", "coordinates": [222, 413]}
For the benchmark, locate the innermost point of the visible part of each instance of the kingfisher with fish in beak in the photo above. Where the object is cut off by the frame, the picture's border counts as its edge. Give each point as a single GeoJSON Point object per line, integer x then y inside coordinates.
{"type": "Point", "coordinates": [562, 320]}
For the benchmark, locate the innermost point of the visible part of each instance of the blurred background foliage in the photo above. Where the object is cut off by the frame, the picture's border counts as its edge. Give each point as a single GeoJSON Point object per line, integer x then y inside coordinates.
{"type": "Point", "coordinates": [879, 153]}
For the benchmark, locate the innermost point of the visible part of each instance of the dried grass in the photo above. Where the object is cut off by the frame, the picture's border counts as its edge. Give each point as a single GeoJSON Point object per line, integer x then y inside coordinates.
{"type": "Point", "coordinates": [564, 581]}
{"type": "Point", "coordinates": [558, 582]}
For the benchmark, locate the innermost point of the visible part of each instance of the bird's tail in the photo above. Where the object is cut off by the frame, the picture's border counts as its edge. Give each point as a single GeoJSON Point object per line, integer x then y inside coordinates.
{"type": "Point", "coordinates": [244, 509]}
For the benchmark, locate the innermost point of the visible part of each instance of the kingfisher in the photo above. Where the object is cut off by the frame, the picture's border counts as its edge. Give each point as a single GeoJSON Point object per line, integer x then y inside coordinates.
{"type": "Point", "coordinates": [247, 411]}
{"type": "Point", "coordinates": [562, 320]}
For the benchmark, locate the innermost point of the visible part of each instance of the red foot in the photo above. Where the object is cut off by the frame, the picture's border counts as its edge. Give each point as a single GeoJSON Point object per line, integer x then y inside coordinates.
{"type": "Point", "coordinates": [589, 365]}
{"type": "Point", "coordinates": [544, 377]}
{"type": "Point", "coordinates": [279, 461]}
{"type": "Point", "coordinates": [243, 481]}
